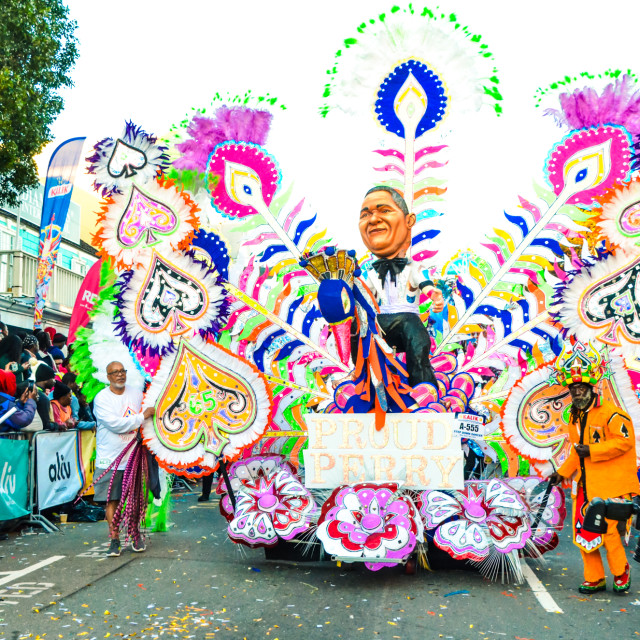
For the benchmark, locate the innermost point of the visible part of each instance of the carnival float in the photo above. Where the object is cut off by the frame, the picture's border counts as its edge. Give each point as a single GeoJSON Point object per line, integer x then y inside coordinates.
{"type": "Point", "coordinates": [257, 338]}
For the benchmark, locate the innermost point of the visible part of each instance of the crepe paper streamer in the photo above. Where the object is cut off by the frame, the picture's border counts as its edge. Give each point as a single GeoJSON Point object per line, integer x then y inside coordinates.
{"type": "Point", "coordinates": [462, 592]}
{"type": "Point", "coordinates": [532, 418]}
{"type": "Point", "coordinates": [210, 246]}
{"type": "Point", "coordinates": [543, 317]}
{"type": "Point", "coordinates": [588, 167]}
{"type": "Point", "coordinates": [156, 216]}
{"type": "Point", "coordinates": [195, 136]}
{"type": "Point", "coordinates": [243, 297]}
{"type": "Point", "coordinates": [235, 122]}
{"type": "Point", "coordinates": [249, 468]}
{"type": "Point", "coordinates": [209, 403]}
{"type": "Point", "coordinates": [546, 519]}
{"type": "Point", "coordinates": [525, 302]}
{"type": "Point", "coordinates": [287, 383]}
{"type": "Point", "coordinates": [135, 155]}
{"type": "Point", "coordinates": [618, 103]}
{"type": "Point", "coordinates": [485, 523]}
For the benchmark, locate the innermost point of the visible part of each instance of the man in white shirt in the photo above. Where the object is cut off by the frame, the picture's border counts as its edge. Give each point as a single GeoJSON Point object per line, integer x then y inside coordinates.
{"type": "Point", "coordinates": [118, 417]}
{"type": "Point", "coordinates": [397, 281]}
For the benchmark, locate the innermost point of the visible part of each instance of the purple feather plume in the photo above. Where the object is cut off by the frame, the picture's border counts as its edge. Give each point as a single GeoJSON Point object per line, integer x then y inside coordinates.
{"type": "Point", "coordinates": [240, 124]}
{"type": "Point", "coordinates": [618, 104]}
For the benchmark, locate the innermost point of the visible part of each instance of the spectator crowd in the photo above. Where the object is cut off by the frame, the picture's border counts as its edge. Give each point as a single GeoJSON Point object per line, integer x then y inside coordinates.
{"type": "Point", "coordinates": [37, 389]}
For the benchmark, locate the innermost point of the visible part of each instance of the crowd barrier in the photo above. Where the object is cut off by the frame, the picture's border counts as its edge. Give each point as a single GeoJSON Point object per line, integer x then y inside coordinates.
{"type": "Point", "coordinates": [43, 469]}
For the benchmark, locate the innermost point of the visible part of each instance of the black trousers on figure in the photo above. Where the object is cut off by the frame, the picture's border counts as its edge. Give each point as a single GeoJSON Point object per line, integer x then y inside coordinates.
{"type": "Point", "coordinates": [406, 334]}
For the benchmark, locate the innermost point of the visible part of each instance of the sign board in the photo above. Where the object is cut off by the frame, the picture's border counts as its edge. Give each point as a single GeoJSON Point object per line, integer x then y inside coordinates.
{"type": "Point", "coordinates": [14, 470]}
{"type": "Point", "coordinates": [418, 450]}
{"type": "Point", "coordinates": [58, 473]}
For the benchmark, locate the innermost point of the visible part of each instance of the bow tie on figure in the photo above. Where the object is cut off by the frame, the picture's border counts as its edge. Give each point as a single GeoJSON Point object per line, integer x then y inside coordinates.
{"type": "Point", "coordinates": [392, 266]}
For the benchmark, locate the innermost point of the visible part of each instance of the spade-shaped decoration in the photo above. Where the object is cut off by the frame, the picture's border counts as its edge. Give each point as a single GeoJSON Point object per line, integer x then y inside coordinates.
{"type": "Point", "coordinates": [612, 305]}
{"type": "Point", "coordinates": [209, 403]}
{"type": "Point", "coordinates": [203, 400]}
{"type": "Point", "coordinates": [170, 298]}
{"type": "Point", "coordinates": [145, 221]}
{"type": "Point", "coordinates": [125, 160]}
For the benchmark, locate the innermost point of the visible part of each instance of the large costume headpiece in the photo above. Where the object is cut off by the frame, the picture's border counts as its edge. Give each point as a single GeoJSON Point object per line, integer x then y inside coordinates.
{"type": "Point", "coordinates": [580, 363]}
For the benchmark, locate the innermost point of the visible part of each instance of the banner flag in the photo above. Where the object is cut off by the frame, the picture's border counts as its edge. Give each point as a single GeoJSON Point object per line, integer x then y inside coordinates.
{"type": "Point", "coordinates": [55, 206]}
{"type": "Point", "coordinates": [58, 472]}
{"type": "Point", "coordinates": [88, 458]}
{"type": "Point", "coordinates": [14, 471]}
{"type": "Point", "coordinates": [85, 300]}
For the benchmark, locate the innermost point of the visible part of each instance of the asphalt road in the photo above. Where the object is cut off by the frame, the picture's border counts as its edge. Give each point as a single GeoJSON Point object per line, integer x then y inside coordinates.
{"type": "Point", "coordinates": [192, 582]}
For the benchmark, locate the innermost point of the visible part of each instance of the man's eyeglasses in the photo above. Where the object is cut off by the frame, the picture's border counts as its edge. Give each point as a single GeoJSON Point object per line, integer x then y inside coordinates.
{"type": "Point", "coordinates": [117, 372]}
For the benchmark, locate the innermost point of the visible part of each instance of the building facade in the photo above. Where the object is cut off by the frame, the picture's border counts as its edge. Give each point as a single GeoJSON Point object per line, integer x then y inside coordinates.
{"type": "Point", "coordinates": [19, 261]}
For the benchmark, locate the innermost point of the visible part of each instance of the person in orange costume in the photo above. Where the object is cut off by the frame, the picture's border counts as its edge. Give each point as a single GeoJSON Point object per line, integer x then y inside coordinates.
{"type": "Point", "coordinates": [602, 463]}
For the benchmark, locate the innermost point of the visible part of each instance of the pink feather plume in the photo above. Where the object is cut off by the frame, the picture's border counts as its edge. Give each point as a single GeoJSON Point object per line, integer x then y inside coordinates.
{"type": "Point", "coordinates": [618, 104]}
{"type": "Point", "coordinates": [240, 124]}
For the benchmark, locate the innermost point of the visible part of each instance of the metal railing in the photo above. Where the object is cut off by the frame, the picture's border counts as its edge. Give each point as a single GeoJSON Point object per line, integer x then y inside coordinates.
{"type": "Point", "coordinates": [18, 277]}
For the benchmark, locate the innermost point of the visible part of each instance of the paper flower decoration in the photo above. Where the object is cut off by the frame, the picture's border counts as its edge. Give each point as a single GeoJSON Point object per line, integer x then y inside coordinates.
{"type": "Point", "coordinates": [249, 470]}
{"type": "Point", "coordinates": [172, 296]}
{"type": "Point", "coordinates": [154, 216]}
{"type": "Point", "coordinates": [209, 403]}
{"type": "Point", "coordinates": [370, 521]}
{"type": "Point", "coordinates": [551, 520]}
{"type": "Point", "coordinates": [135, 155]}
{"type": "Point", "coordinates": [484, 523]}
{"type": "Point", "coordinates": [270, 507]}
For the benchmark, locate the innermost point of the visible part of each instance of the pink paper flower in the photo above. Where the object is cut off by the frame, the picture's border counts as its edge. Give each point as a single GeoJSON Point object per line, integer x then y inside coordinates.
{"type": "Point", "coordinates": [474, 524]}
{"type": "Point", "coordinates": [270, 507]}
{"type": "Point", "coordinates": [370, 521]}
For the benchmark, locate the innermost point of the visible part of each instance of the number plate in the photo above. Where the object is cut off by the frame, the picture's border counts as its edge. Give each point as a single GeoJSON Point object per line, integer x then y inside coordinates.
{"type": "Point", "coordinates": [468, 425]}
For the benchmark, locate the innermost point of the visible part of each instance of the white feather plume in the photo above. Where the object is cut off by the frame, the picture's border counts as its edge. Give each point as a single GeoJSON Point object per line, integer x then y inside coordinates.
{"type": "Point", "coordinates": [383, 45]}
{"type": "Point", "coordinates": [105, 347]}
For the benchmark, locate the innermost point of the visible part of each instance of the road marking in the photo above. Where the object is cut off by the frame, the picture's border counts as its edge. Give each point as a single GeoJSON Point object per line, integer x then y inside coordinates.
{"type": "Point", "coordinates": [14, 575]}
{"type": "Point", "coordinates": [542, 595]}
{"type": "Point", "coordinates": [24, 590]}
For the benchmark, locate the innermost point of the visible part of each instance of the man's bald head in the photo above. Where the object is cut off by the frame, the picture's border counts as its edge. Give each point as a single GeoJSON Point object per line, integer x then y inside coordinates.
{"type": "Point", "coordinates": [117, 376]}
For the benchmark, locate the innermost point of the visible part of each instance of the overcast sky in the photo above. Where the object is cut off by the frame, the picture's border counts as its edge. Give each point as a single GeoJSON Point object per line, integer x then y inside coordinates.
{"type": "Point", "coordinates": [152, 61]}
